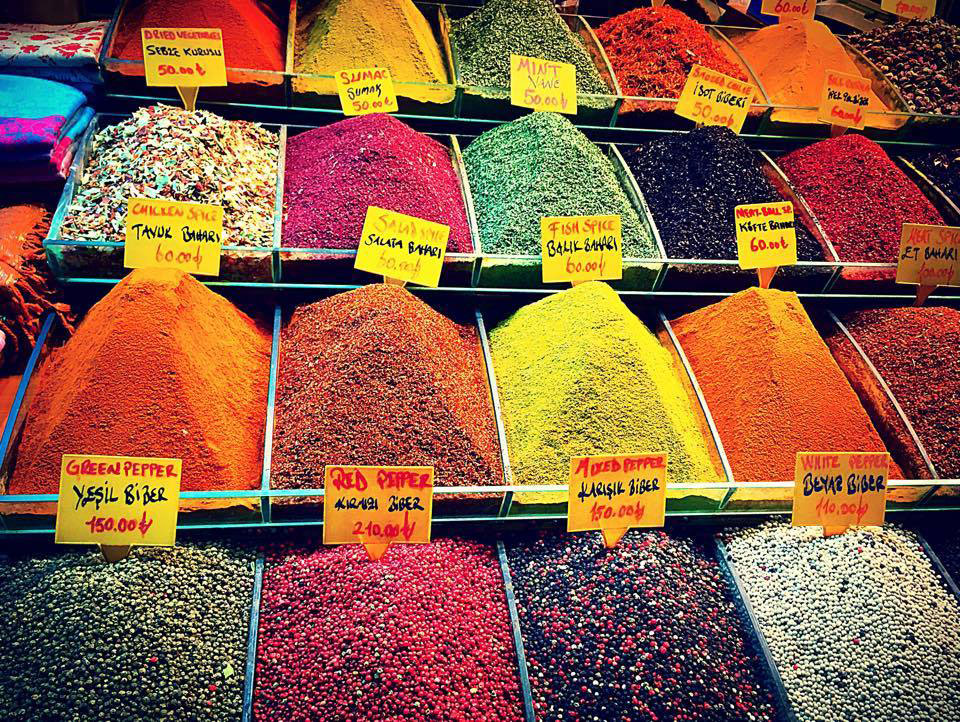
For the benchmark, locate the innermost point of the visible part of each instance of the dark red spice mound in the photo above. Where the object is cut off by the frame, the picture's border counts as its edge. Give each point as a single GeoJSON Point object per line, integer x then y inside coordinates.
{"type": "Point", "coordinates": [333, 173]}
{"type": "Point", "coordinates": [376, 376]}
{"type": "Point", "coordinates": [861, 198]}
{"type": "Point", "coordinates": [653, 49]}
{"type": "Point", "coordinates": [421, 635]}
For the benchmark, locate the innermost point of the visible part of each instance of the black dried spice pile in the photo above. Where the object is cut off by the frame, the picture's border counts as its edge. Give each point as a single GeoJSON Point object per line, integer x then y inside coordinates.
{"type": "Point", "coordinates": [943, 168]}
{"type": "Point", "coordinates": [158, 636]}
{"type": "Point", "coordinates": [645, 631]}
{"type": "Point", "coordinates": [693, 181]}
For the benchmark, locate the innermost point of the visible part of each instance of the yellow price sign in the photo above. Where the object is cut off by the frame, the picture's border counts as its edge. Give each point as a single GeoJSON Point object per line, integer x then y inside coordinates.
{"type": "Point", "coordinates": [840, 490]}
{"type": "Point", "coordinates": [790, 9]}
{"type": "Point", "coordinates": [929, 255]}
{"type": "Point", "coordinates": [183, 57]}
{"type": "Point", "coordinates": [543, 84]}
{"type": "Point", "coordinates": [118, 500]}
{"type": "Point", "coordinates": [617, 492]}
{"type": "Point", "coordinates": [366, 90]}
{"type": "Point", "coordinates": [173, 234]}
{"type": "Point", "coordinates": [377, 506]}
{"type": "Point", "coordinates": [919, 9]}
{"type": "Point", "coordinates": [402, 247]}
{"type": "Point", "coordinates": [844, 99]}
{"type": "Point", "coordinates": [766, 235]}
{"type": "Point", "coordinates": [713, 98]}
{"type": "Point", "coordinates": [581, 248]}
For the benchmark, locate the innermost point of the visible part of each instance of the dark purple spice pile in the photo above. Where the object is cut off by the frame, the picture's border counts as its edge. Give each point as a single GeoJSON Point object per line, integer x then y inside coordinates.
{"type": "Point", "coordinates": [645, 631]}
{"type": "Point", "coordinates": [333, 173]}
{"type": "Point", "coordinates": [943, 168]}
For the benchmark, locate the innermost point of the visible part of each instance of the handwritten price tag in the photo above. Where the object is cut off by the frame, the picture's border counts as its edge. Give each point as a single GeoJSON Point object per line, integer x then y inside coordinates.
{"type": "Point", "coordinates": [616, 493]}
{"type": "Point", "coordinates": [712, 98]}
{"type": "Point", "coordinates": [581, 248]}
{"type": "Point", "coordinates": [187, 57]}
{"type": "Point", "coordinates": [837, 491]}
{"type": "Point", "coordinates": [366, 90]}
{"type": "Point", "coordinates": [543, 84]}
{"type": "Point", "coordinates": [790, 9]}
{"type": "Point", "coordinates": [171, 234]}
{"type": "Point", "coordinates": [402, 247]}
{"type": "Point", "coordinates": [920, 9]}
{"type": "Point", "coordinates": [118, 500]}
{"type": "Point", "coordinates": [844, 99]}
{"type": "Point", "coordinates": [377, 506]}
{"type": "Point", "coordinates": [766, 236]}
{"type": "Point", "coordinates": [929, 255]}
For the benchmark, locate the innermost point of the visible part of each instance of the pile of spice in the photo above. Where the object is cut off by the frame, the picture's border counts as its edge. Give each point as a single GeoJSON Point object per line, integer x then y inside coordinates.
{"type": "Point", "coordinates": [27, 290]}
{"type": "Point", "coordinates": [652, 50]}
{"type": "Point", "coordinates": [841, 179]}
{"type": "Point", "coordinates": [771, 384]}
{"type": "Point", "coordinates": [339, 34]}
{"type": "Point", "coordinates": [790, 60]}
{"type": "Point", "coordinates": [692, 183]}
{"type": "Point", "coordinates": [252, 36]}
{"type": "Point", "coordinates": [163, 367]}
{"type": "Point", "coordinates": [167, 152]}
{"type": "Point", "coordinates": [943, 168]}
{"type": "Point", "coordinates": [159, 636]}
{"type": "Point", "coordinates": [578, 373]}
{"type": "Point", "coordinates": [333, 173]}
{"type": "Point", "coordinates": [422, 634]}
{"type": "Point", "coordinates": [922, 58]}
{"type": "Point", "coordinates": [376, 376]}
{"type": "Point", "coordinates": [945, 543]}
{"type": "Point", "coordinates": [541, 165]}
{"type": "Point", "coordinates": [915, 351]}
{"type": "Point", "coordinates": [859, 624]}
{"type": "Point", "coordinates": [645, 631]}
{"type": "Point", "coordinates": [484, 40]}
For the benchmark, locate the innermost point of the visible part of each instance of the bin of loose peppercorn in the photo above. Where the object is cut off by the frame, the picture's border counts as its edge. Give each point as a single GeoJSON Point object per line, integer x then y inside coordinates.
{"type": "Point", "coordinates": [482, 39]}
{"type": "Point", "coordinates": [168, 153]}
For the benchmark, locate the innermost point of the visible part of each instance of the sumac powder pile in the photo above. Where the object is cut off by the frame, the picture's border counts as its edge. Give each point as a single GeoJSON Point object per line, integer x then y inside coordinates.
{"type": "Point", "coordinates": [861, 198]}
{"type": "Point", "coordinates": [645, 631]}
{"type": "Point", "coordinates": [376, 376]}
{"type": "Point", "coordinates": [160, 635]}
{"type": "Point", "coordinates": [163, 367]}
{"type": "Point", "coordinates": [421, 635]}
{"type": "Point", "coordinates": [333, 173]}
{"type": "Point", "coordinates": [692, 183]}
{"type": "Point", "coordinates": [652, 50]}
{"type": "Point", "coordinates": [915, 350]}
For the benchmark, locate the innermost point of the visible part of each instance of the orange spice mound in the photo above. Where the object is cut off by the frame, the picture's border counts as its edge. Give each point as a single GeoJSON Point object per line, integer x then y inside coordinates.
{"type": "Point", "coordinates": [772, 385]}
{"type": "Point", "coordinates": [161, 367]}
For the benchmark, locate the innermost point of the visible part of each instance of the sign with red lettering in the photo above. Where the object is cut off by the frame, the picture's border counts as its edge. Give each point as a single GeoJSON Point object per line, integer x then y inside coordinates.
{"type": "Point", "coordinates": [581, 248]}
{"type": "Point", "coordinates": [377, 506]}
{"type": "Point", "coordinates": [183, 57]}
{"type": "Point", "coordinates": [118, 500]}
{"type": "Point", "coordinates": [543, 84]}
{"type": "Point", "coordinates": [919, 9]}
{"type": "Point", "coordinates": [712, 98]}
{"type": "Point", "coordinates": [366, 90]}
{"type": "Point", "coordinates": [766, 235]}
{"type": "Point", "coordinates": [929, 255]}
{"type": "Point", "coordinates": [840, 490]}
{"type": "Point", "coordinates": [617, 492]}
{"type": "Point", "coordinates": [173, 234]}
{"type": "Point", "coordinates": [844, 99]}
{"type": "Point", "coordinates": [790, 9]}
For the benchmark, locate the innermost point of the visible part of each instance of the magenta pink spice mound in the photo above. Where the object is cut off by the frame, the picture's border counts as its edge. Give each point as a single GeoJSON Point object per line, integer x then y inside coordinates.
{"type": "Point", "coordinates": [423, 635]}
{"type": "Point", "coordinates": [333, 173]}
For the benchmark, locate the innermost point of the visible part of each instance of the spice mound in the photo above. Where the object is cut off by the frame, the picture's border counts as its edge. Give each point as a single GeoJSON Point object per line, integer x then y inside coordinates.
{"type": "Point", "coordinates": [170, 153]}
{"type": "Point", "coordinates": [915, 351]}
{"type": "Point", "coordinates": [158, 636]}
{"type": "Point", "coordinates": [790, 59]}
{"type": "Point", "coordinates": [339, 35]}
{"type": "Point", "coordinates": [252, 37]}
{"type": "Point", "coordinates": [922, 58]}
{"type": "Point", "coordinates": [541, 165]}
{"type": "Point", "coordinates": [579, 374]}
{"type": "Point", "coordinates": [333, 173]}
{"type": "Point", "coordinates": [637, 632]}
{"type": "Point", "coordinates": [826, 607]}
{"type": "Point", "coordinates": [652, 51]}
{"type": "Point", "coordinates": [842, 180]}
{"type": "Point", "coordinates": [692, 183]}
{"type": "Point", "coordinates": [771, 384]}
{"type": "Point", "coordinates": [163, 367]}
{"type": "Point", "coordinates": [422, 634]}
{"type": "Point", "coordinates": [377, 377]}
{"type": "Point", "coordinates": [943, 168]}
{"type": "Point", "coordinates": [484, 40]}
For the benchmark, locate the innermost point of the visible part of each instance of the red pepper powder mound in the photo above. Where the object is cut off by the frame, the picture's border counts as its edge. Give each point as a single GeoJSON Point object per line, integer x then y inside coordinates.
{"type": "Point", "coordinates": [771, 384]}
{"type": "Point", "coordinates": [376, 376]}
{"type": "Point", "coordinates": [161, 366]}
{"type": "Point", "coordinates": [423, 634]}
{"type": "Point", "coordinates": [252, 37]}
{"type": "Point", "coordinates": [652, 51]}
{"type": "Point", "coordinates": [859, 195]}
{"type": "Point", "coordinates": [915, 350]}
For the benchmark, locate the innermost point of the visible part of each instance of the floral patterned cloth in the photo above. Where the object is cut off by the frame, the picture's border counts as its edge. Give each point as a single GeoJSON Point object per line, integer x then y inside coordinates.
{"type": "Point", "coordinates": [51, 46]}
